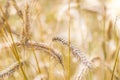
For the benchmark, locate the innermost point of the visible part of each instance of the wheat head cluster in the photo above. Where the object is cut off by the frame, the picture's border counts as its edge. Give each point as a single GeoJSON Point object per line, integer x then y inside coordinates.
{"type": "Point", "coordinates": [58, 40]}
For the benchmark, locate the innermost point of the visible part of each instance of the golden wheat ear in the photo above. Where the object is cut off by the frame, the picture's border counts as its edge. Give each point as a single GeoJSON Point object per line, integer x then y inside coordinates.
{"type": "Point", "coordinates": [43, 47]}
{"type": "Point", "coordinates": [85, 65]}
{"type": "Point", "coordinates": [75, 51]}
{"type": "Point", "coordinates": [37, 46]}
{"type": "Point", "coordinates": [11, 69]}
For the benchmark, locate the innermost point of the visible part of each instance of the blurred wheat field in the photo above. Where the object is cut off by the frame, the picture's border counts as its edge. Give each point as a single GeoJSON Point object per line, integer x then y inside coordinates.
{"type": "Point", "coordinates": [59, 39]}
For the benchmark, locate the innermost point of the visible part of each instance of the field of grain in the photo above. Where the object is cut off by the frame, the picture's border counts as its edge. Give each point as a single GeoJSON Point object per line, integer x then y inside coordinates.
{"type": "Point", "coordinates": [59, 39]}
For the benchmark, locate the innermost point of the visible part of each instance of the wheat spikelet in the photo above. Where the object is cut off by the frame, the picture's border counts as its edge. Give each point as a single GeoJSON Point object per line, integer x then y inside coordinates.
{"type": "Point", "coordinates": [11, 69]}
{"type": "Point", "coordinates": [26, 28]}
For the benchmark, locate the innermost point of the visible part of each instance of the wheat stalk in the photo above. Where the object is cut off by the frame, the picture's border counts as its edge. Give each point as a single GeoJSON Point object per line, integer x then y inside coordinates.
{"type": "Point", "coordinates": [13, 47]}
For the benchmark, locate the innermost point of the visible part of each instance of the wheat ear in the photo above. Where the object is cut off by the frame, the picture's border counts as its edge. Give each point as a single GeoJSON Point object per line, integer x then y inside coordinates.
{"type": "Point", "coordinates": [37, 46]}
{"type": "Point", "coordinates": [76, 52]}
{"type": "Point", "coordinates": [11, 69]}
{"type": "Point", "coordinates": [80, 55]}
